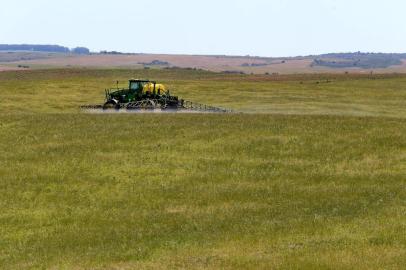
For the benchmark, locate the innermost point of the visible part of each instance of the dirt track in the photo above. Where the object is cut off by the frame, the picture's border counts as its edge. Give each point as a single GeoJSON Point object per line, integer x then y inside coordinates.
{"type": "Point", "coordinates": [5, 68]}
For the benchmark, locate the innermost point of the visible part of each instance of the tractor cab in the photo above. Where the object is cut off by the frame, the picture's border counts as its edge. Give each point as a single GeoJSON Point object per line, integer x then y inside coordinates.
{"type": "Point", "coordinates": [137, 86]}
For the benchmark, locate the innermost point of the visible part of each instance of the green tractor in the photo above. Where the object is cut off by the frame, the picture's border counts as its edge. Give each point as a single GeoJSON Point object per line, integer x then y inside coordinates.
{"type": "Point", "coordinates": [141, 94]}
{"type": "Point", "coordinates": [148, 95]}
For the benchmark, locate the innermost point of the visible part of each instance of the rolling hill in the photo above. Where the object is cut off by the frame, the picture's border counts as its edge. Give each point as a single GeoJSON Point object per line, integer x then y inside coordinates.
{"type": "Point", "coordinates": [326, 63]}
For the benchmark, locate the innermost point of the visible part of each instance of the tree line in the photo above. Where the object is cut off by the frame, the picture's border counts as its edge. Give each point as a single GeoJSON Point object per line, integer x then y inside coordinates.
{"type": "Point", "coordinates": [43, 48]}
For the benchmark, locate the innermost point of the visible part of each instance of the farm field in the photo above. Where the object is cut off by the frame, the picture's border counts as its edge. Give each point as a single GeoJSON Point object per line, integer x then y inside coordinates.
{"type": "Point", "coordinates": [310, 174]}
{"type": "Point", "coordinates": [216, 63]}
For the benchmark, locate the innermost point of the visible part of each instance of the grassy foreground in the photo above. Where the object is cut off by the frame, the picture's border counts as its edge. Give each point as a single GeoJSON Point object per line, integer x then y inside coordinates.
{"type": "Point", "coordinates": [270, 191]}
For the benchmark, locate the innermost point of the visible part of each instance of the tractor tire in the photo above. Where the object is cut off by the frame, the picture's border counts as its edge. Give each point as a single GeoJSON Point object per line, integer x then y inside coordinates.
{"type": "Point", "coordinates": [110, 105]}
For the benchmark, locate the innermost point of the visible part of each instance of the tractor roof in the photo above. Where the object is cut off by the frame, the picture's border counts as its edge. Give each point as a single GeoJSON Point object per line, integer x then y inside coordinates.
{"type": "Point", "coordinates": [138, 80]}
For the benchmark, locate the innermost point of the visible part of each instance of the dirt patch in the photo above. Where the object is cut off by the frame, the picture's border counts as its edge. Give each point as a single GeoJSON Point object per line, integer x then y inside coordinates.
{"type": "Point", "coordinates": [6, 68]}
{"type": "Point", "coordinates": [183, 61]}
{"type": "Point", "coordinates": [236, 64]}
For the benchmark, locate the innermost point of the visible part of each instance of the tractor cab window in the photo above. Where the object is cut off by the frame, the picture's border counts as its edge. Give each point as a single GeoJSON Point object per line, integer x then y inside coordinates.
{"type": "Point", "coordinates": [135, 86]}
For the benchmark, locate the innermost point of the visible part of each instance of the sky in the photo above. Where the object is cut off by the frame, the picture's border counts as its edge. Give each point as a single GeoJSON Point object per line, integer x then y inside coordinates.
{"type": "Point", "coordinates": [221, 27]}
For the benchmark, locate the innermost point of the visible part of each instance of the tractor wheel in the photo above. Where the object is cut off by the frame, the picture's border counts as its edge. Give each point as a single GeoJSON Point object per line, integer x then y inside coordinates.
{"type": "Point", "coordinates": [111, 105]}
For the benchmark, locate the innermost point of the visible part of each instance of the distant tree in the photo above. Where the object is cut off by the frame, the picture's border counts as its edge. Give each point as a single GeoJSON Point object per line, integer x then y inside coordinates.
{"type": "Point", "coordinates": [155, 63]}
{"type": "Point", "coordinates": [110, 52]}
{"type": "Point", "coordinates": [33, 48]}
{"type": "Point", "coordinates": [81, 50]}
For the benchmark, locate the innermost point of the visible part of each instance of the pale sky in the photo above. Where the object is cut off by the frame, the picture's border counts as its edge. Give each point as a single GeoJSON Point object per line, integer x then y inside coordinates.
{"type": "Point", "coordinates": [231, 27]}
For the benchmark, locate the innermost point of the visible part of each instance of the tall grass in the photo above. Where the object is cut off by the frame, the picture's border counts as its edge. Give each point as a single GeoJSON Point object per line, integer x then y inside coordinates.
{"type": "Point", "coordinates": [232, 191]}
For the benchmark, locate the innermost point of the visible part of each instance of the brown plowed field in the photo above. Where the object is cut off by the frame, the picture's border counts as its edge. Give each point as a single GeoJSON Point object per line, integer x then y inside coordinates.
{"type": "Point", "coordinates": [246, 64]}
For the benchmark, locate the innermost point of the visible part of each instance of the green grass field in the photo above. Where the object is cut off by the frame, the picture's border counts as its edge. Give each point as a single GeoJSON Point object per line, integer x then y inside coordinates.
{"type": "Point", "coordinates": [310, 176]}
